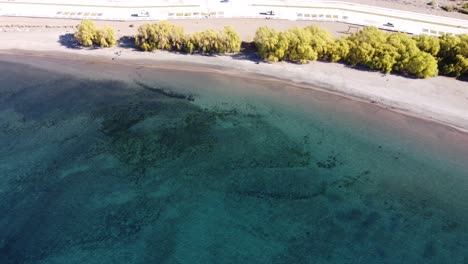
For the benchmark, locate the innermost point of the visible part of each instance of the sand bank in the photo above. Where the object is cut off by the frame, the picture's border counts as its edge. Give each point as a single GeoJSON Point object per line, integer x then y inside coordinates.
{"type": "Point", "coordinates": [441, 99]}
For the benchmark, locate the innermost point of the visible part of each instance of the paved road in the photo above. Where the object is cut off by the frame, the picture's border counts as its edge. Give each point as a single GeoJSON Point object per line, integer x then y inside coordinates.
{"type": "Point", "coordinates": [390, 19]}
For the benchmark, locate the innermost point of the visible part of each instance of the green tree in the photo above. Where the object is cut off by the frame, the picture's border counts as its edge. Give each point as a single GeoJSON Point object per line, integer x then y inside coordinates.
{"type": "Point", "coordinates": [208, 41]}
{"type": "Point", "coordinates": [300, 45]}
{"type": "Point", "coordinates": [145, 39]}
{"type": "Point", "coordinates": [166, 36]}
{"type": "Point", "coordinates": [362, 46]}
{"type": "Point", "coordinates": [385, 58]}
{"type": "Point", "coordinates": [462, 65]}
{"type": "Point", "coordinates": [105, 37]}
{"type": "Point", "coordinates": [189, 44]}
{"type": "Point", "coordinates": [295, 44]}
{"type": "Point", "coordinates": [461, 69]}
{"type": "Point", "coordinates": [337, 50]}
{"type": "Point", "coordinates": [405, 48]}
{"type": "Point", "coordinates": [266, 40]}
{"type": "Point", "coordinates": [230, 40]}
{"type": "Point", "coordinates": [452, 55]}
{"type": "Point", "coordinates": [320, 40]}
{"type": "Point", "coordinates": [282, 51]}
{"type": "Point", "coordinates": [86, 33]}
{"type": "Point", "coordinates": [391, 52]}
{"type": "Point", "coordinates": [423, 65]}
{"type": "Point", "coordinates": [160, 35]}
{"type": "Point", "coordinates": [428, 44]}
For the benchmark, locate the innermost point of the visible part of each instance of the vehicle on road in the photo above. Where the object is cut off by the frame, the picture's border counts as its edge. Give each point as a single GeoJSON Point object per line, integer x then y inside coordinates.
{"type": "Point", "coordinates": [141, 13]}
{"type": "Point", "coordinates": [389, 25]}
{"type": "Point", "coordinates": [268, 13]}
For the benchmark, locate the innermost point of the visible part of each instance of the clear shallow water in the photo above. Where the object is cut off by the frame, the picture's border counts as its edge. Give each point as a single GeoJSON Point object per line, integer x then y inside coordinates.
{"type": "Point", "coordinates": [157, 166]}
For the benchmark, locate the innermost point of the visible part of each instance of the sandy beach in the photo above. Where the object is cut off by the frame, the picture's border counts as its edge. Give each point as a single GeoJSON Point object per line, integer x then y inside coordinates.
{"type": "Point", "coordinates": [440, 99]}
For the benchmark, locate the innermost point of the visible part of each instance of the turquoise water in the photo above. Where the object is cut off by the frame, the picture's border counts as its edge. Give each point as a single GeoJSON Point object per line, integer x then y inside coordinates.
{"type": "Point", "coordinates": [124, 164]}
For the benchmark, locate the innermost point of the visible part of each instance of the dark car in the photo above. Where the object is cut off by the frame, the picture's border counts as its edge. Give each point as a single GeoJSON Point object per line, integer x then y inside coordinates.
{"type": "Point", "coordinates": [388, 25]}
{"type": "Point", "coordinates": [268, 13]}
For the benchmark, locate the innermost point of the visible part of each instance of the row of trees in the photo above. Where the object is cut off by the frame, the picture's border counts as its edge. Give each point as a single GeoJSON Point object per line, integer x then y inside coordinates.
{"type": "Point", "coordinates": [166, 36]}
{"type": "Point", "coordinates": [295, 44]}
{"type": "Point", "coordinates": [389, 52]}
{"type": "Point", "coordinates": [421, 56]}
{"type": "Point", "coordinates": [370, 47]}
{"type": "Point", "coordinates": [88, 34]}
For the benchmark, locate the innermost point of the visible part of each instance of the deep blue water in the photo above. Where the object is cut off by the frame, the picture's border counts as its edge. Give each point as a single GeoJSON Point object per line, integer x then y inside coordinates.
{"type": "Point", "coordinates": [126, 164]}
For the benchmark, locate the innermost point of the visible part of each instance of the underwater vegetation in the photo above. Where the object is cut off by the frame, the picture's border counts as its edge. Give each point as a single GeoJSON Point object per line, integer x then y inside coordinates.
{"type": "Point", "coordinates": [99, 171]}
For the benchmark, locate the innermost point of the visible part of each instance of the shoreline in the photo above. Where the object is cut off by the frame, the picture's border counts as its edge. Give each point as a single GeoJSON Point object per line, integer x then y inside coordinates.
{"type": "Point", "coordinates": [440, 99]}
{"type": "Point", "coordinates": [210, 64]}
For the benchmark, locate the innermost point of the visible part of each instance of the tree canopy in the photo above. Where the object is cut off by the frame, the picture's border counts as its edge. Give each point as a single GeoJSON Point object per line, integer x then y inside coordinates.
{"type": "Point", "coordinates": [420, 56]}
{"type": "Point", "coordinates": [88, 35]}
{"type": "Point", "coordinates": [453, 55]}
{"type": "Point", "coordinates": [160, 35]}
{"type": "Point", "coordinates": [390, 52]}
{"type": "Point", "coordinates": [295, 44]}
{"type": "Point", "coordinates": [370, 47]}
{"type": "Point", "coordinates": [428, 44]}
{"type": "Point", "coordinates": [166, 36]}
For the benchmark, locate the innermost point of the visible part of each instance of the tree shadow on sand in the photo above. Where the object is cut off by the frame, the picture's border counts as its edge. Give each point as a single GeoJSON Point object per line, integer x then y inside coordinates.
{"type": "Point", "coordinates": [367, 69]}
{"type": "Point", "coordinates": [404, 75]}
{"type": "Point", "coordinates": [127, 42]}
{"type": "Point", "coordinates": [68, 41]}
{"type": "Point", "coordinates": [463, 78]}
{"type": "Point", "coordinates": [248, 52]}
